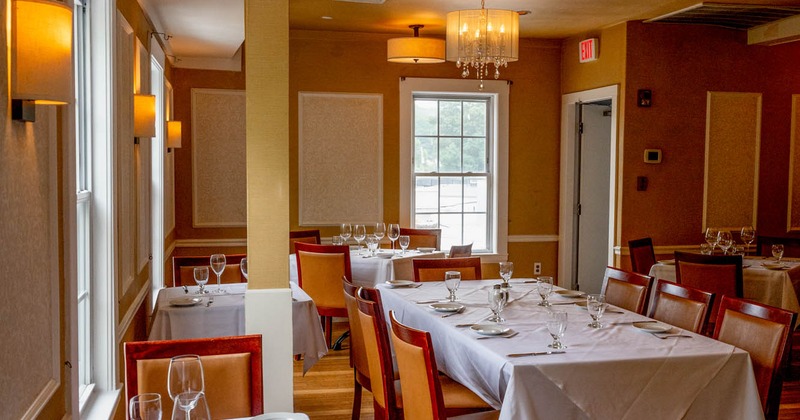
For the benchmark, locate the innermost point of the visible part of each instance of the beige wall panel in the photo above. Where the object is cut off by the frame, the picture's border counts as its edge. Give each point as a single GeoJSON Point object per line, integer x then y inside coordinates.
{"type": "Point", "coordinates": [125, 168]}
{"type": "Point", "coordinates": [142, 168]}
{"type": "Point", "coordinates": [793, 222]}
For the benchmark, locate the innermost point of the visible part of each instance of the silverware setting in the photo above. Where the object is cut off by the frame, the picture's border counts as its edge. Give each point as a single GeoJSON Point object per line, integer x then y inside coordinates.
{"type": "Point", "coordinates": [486, 337]}
{"type": "Point", "coordinates": [536, 353]}
{"type": "Point", "coordinates": [664, 337]}
{"type": "Point", "coordinates": [185, 289]}
{"type": "Point", "coordinates": [424, 302]}
{"type": "Point", "coordinates": [455, 313]}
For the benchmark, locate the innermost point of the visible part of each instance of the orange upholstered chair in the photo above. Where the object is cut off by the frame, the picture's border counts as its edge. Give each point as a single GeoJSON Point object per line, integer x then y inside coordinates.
{"type": "Point", "coordinates": [682, 306]}
{"type": "Point", "coordinates": [319, 273]}
{"type": "Point", "coordinates": [423, 238]}
{"type": "Point", "coordinates": [183, 269]}
{"type": "Point", "coordinates": [460, 251]}
{"type": "Point", "coordinates": [358, 356]}
{"type": "Point", "coordinates": [305, 236]}
{"type": "Point", "coordinates": [763, 331]}
{"type": "Point", "coordinates": [434, 269]}
{"type": "Point", "coordinates": [627, 290]}
{"type": "Point", "coordinates": [231, 367]}
{"type": "Point", "coordinates": [719, 274]}
{"type": "Point", "coordinates": [642, 255]}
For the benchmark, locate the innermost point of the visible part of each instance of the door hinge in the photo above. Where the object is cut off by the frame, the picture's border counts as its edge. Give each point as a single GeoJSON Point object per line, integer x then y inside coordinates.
{"type": "Point", "coordinates": [580, 128]}
{"type": "Point", "coordinates": [578, 210]}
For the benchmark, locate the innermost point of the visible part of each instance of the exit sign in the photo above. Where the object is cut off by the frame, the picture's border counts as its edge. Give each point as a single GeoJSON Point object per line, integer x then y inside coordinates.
{"type": "Point", "coordinates": [588, 49]}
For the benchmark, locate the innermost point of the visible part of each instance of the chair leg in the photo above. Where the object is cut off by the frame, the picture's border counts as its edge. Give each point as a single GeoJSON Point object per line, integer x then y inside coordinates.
{"type": "Point", "coordinates": [327, 326]}
{"type": "Point", "coordinates": [340, 340]}
{"type": "Point", "coordinates": [356, 397]}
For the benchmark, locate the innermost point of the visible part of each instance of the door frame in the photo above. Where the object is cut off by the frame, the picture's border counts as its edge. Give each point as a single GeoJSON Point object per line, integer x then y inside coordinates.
{"type": "Point", "coordinates": [567, 187]}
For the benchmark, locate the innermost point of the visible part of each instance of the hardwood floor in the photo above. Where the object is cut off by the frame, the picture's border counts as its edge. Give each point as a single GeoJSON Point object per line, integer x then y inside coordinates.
{"type": "Point", "coordinates": [326, 391]}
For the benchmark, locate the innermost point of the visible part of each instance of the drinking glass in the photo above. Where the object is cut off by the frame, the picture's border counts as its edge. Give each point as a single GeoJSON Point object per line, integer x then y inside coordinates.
{"type": "Point", "coordinates": [724, 240]}
{"type": "Point", "coordinates": [596, 305]}
{"type": "Point", "coordinates": [243, 267]}
{"type": "Point", "coordinates": [777, 251]}
{"type": "Point", "coordinates": [705, 249]}
{"type": "Point", "coordinates": [191, 405]}
{"type": "Point", "coordinates": [372, 244]}
{"type": "Point", "coordinates": [394, 232]}
{"type": "Point", "coordinates": [201, 278]}
{"type": "Point", "coordinates": [557, 326]}
{"type": "Point", "coordinates": [748, 235]}
{"type": "Point", "coordinates": [711, 237]}
{"type": "Point", "coordinates": [506, 270]}
{"type": "Point", "coordinates": [404, 240]}
{"type": "Point", "coordinates": [337, 240]}
{"type": "Point", "coordinates": [544, 286]}
{"type": "Point", "coordinates": [218, 266]}
{"type": "Point", "coordinates": [738, 250]}
{"type": "Point", "coordinates": [145, 407]}
{"type": "Point", "coordinates": [345, 231]}
{"type": "Point", "coordinates": [380, 231]}
{"type": "Point", "coordinates": [452, 279]}
{"type": "Point", "coordinates": [359, 233]}
{"type": "Point", "coordinates": [498, 297]}
{"type": "Point", "coordinates": [185, 375]}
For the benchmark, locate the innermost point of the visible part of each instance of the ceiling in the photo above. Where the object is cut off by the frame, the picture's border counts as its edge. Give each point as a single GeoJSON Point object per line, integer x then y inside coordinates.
{"type": "Point", "coordinates": [209, 31]}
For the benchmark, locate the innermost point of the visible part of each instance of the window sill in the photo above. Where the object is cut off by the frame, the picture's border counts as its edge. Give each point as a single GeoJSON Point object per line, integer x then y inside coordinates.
{"type": "Point", "coordinates": [101, 406]}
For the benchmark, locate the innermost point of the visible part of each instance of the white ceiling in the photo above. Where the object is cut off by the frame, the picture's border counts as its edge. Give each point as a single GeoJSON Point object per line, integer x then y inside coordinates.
{"type": "Point", "coordinates": [205, 32]}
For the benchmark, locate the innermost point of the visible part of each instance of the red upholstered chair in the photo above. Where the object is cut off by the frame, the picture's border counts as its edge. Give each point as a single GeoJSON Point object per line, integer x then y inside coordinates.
{"type": "Point", "coordinates": [231, 366]}
{"type": "Point", "coordinates": [305, 236]}
{"type": "Point", "coordinates": [642, 255]}
{"type": "Point", "coordinates": [763, 331]}
{"type": "Point", "coordinates": [358, 356]}
{"type": "Point", "coordinates": [460, 251]}
{"type": "Point", "coordinates": [183, 269]}
{"type": "Point", "coordinates": [423, 238]}
{"type": "Point", "coordinates": [682, 306]}
{"type": "Point", "coordinates": [627, 290]}
{"type": "Point", "coordinates": [719, 274]}
{"type": "Point", "coordinates": [433, 269]}
{"type": "Point", "coordinates": [319, 273]}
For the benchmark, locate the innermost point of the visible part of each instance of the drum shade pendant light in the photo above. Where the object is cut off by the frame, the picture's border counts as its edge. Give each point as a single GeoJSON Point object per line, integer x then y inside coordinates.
{"type": "Point", "coordinates": [478, 38]}
{"type": "Point", "coordinates": [415, 49]}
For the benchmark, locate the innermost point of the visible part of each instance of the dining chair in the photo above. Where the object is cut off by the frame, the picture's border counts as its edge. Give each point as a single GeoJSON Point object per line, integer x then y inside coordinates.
{"type": "Point", "coordinates": [319, 273]}
{"type": "Point", "coordinates": [763, 331]}
{"type": "Point", "coordinates": [460, 251]}
{"type": "Point", "coordinates": [183, 269]}
{"type": "Point", "coordinates": [305, 236]}
{"type": "Point", "coordinates": [433, 269]}
{"type": "Point", "coordinates": [420, 382]}
{"type": "Point", "coordinates": [423, 238]}
{"type": "Point", "coordinates": [642, 255]}
{"type": "Point", "coordinates": [358, 356]}
{"type": "Point", "coordinates": [626, 290]}
{"type": "Point", "coordinates": [681, 306]}
{"type": "Point", "coordinates": [719, 274]}
{"type": "Point", "coordinates": [231, 367]}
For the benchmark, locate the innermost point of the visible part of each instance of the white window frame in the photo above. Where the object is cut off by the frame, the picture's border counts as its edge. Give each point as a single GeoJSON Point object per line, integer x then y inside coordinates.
{"type": "Point", "coordinates": [498, 90]}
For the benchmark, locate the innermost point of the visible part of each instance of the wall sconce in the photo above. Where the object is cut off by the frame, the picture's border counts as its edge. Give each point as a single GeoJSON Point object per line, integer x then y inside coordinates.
{"type": "Point", "coordinates": [173, 135]}
{"type": "Point", "coordinates": [41, 56]}
{"type": "Point", "coordinates": [144, 116]}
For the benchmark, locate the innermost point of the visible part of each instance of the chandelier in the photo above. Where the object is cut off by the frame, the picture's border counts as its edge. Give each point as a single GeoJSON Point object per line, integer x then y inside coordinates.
{"type": "Point", "coordinates": [478, 38]}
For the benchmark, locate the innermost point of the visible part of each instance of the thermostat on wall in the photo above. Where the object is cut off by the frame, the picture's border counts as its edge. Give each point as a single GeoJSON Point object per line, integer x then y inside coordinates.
{"type": "Point", "coordinates": [652, 155]}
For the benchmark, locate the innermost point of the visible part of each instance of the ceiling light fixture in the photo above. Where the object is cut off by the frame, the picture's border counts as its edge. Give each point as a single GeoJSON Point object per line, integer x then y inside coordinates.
{"type": "Point", "coordinates": [415, 49]}
{"type": "Point", "coordinates": [477, 38]}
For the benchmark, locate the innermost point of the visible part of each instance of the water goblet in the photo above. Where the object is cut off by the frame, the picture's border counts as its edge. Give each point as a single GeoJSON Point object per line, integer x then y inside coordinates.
{"type": "Point", "coordinates": [404, 241]}
{"type": "Point", "coordinates": [191, 405]}
{"type": "Point", "coordinates": [452, 279]}
{"type": "Point", "coordinates": [394, 232]}
{"type": "Point", "coordinates": [748, 235]}
{"type": "Point", "coordinates": [506, 270]}
{"type": "Point", "coordinates": [337, 240]}
{"type": "Point", "coordinates": [372, 244]}
{"type": "Point", "coordinates": [705, 249]}
{"type": "Point", "coordinates": [345, 231]}
{"type": "Point", "coordinates": [185, 374]}
{"type": "Point", "coordinates": [711, 237]}
{"type": "Point", "coordinates": [243, 267]}
{"type": "Point", "coordinates": [359, 234]}
{"type": "Point", "coordinates": [557, 326]}
{"type": "Point", "coordinates": [498, 297]}
{"type": "Point", "coordinates": [724, 240]}
{"type": "Point", "coordinates": [218, 266]}
{"type": "Point", "coordinates": [777, 251]}
{"type": "Point", "coordinates": [380, 231]}
{"type": "Point", "coordinates": [145, 407]}
{"type": "Point", "coordinates": [544, 286]}
{"type": "Point", "coordinates": [201, 278]}
{"type": "Point", "coordinates": [596, 305]}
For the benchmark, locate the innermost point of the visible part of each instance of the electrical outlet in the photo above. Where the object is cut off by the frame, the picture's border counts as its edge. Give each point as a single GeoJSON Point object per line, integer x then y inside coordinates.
{"type": "Point", "coordinates": [537, 268]}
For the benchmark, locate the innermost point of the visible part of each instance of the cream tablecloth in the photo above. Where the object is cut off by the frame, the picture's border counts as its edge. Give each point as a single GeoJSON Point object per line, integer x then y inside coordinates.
{"type": "Point", "coordinates": [617, 372]}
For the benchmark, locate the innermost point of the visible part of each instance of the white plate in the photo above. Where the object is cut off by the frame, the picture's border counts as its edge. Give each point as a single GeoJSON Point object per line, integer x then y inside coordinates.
{"type": "Point", "coordinates": [447, 307]}
{"type": "Point", "coordinates": [185, 301]}
{"type": "Point", "coordinates": [426, 250]}
{"type": "Point", "coordinates": [400, 283]}
{"type": "Point", "coordinates": [652, 326]}
{"type": "Point", "coordinates": [489, 329]}
{"type": "Point", "coordinates": [281, 416]}
{"type": "Point", "coordinates": [385, 255]}
{"type": "Point", "coordinates": [667, 262]}
{"type": "Point", "coordinates": [775, 266]}
{"type": "Point", "coordinates": [570, 293]}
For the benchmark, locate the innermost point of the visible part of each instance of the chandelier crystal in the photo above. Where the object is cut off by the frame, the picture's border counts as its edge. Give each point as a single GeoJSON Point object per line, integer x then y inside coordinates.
{"type": "Point", "coordinates": [480, 38]}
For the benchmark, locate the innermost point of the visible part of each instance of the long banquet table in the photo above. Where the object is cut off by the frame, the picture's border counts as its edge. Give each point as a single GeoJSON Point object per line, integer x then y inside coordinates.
{"type": "Point", "coordinates": [225, 317]}
{"type": "Point", "coordinates": [616, 372]}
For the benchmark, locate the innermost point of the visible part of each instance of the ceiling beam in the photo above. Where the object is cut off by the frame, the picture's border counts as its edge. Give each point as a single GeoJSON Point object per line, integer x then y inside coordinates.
{"type": "Point", "coordinates": [778, 32]}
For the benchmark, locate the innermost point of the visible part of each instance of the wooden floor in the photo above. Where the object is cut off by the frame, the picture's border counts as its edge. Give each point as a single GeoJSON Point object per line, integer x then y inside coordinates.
{"type": "Point", "coordinates": [326, 391]}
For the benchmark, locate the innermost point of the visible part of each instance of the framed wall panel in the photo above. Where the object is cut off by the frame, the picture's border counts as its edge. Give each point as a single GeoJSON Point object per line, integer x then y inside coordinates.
{"type": "Point", "coordinates": [793, 210]}
{"type": "Point", "coordinates": [219, 178]}
{"type": "Point", "coordinates": [142, 168]}
{"type": "Point", "coordinates": [733, 138]}
{"type": "Point", "coordinates": [125, 176]}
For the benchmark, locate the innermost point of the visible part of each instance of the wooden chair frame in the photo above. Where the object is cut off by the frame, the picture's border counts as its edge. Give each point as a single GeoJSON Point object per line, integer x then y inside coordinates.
{"type": "Point", "coordinates": [639, 247]}
{"type": "Point", "coordinates": [374, 310]}
{"type": "Point", "coordinates": [711, 260]}
{"type": "Point", "coordinates": [358, 359]}
{"type": "Point", "coordinates": [444, 264]}
{"type": "Point", "coordinates": [632, 278]}
{"type": "Point", "coordinates": [303, 236]}
{"type": "Point", "coordinates": [422, 232]}
{"type": "Point", "coordinates": [684, 292]}
{"type": "Point", "coordinates": [179, 261]}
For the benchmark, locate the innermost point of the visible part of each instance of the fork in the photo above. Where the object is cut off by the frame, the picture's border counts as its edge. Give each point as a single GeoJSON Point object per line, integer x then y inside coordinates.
{"type": "Point", "coordinates": [514, 334]}
{"type": "Point", "coordinates": [454, 313]}
{"type": "Point", "coordinates": [664, 337]}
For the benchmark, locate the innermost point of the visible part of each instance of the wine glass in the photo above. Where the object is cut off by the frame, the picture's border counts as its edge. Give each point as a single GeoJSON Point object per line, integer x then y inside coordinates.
{"type": "Point", "coordinates": [544, 286]}
{"type": "Point", "coordinates": [359, 233]}
{"type": "Point", "coordinates": [185, 375]}
{"type": "Point", "coordinates": [777, 251]}
{"type": "Point", "coordinates": [724, 240]}
{"type": "Point", "coordinates": [337, 240]}
{"type": "Point", "coordinates": [498, 297]}
{"type": "Point", "coordinates": [506, 270]}
{"type": "Point", "coordinates": [218, 266]}
{"type": "Point", "coordinates": [380, 231]}
{"type": "Point", "coordinates": [748, 235]}
{"type": "Point", "coordinates": [404, 240]}
{"type": "Point", "coordinates": [452, 279]}
{"type": "Point", "coordinates": [201, 278]}
{"type": "Point", "coordinates": [596, 305]}
{"type": "Point", "coordinates": [372, 244]}
{"type": "Point", "coordinates": [557, 326]}
{"type": "Point", "coordinates": [191, 405]}
{"type": "Point", "coordinates": [145, 407]}
{"type": "Point", "coordinates": [243, 267]}
{"type": "Point", "coordinates": [711, 237]}
{"type": "Point", "coordinates": [345, 231]}
{"type": "Point", "coordinates": [394, 232]}
{"type": "Point", "coordinates": [706, 249]}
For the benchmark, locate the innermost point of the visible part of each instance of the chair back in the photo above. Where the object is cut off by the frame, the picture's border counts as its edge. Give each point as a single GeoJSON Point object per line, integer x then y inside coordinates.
{"type": "Point", "coordinates": [763, 331]}
{"type": "Point", "coordinates": [319, 272]}
{"type": "Point", "coordinates": [627, 290]}
{"type": "Point", "coordinates": [379, 354]}
{"type": "Point", "coordinates": [358, 356]}
{"type": "Point", "coordinates": [434, 269]}
{"type": "Point", "coordinates": [231, 367]}
{"type": "Point", "coordinates": [419, 377]}
{"type": "Point", "coordinates": [460, 251]}
{"type": "Point", "coordinates": [682, 306]}
{"type": "Point", "coordinates": [642, 255]}
{"type": "Point", "coordinates": [183, 269]}
{"type": "Point", "coordinates": [423, 238]}
{"type": "Point", "coordinates": [719, 274]}
{"type": "Point", "coordinates": [305, 236]}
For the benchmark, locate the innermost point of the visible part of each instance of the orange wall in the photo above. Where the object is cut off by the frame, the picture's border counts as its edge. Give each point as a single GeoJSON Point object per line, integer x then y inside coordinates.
{"type": "Point", "coordinates": [608, 69]}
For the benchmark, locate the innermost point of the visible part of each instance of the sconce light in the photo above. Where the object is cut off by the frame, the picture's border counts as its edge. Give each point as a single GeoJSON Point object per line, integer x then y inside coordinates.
{"type": "Point", "coordinates": [41, 56]}
{"type": "Point", "coordinates": [173, 135]}
{"type": "Point", "coordinates": [144, 116]}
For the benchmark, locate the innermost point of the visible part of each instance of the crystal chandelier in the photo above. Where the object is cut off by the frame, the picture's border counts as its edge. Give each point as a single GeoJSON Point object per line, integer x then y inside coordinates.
{"type": "Point", "coordinates": [478, 38]}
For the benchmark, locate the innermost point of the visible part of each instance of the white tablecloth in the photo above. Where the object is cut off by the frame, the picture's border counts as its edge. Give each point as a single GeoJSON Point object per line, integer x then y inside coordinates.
{"type": "Point", "coordinates": [225, 317]}
{"type": "Point", "coordinates": [617, 372]}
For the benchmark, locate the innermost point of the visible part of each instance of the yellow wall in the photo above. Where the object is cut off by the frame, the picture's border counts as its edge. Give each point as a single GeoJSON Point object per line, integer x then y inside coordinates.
{"type": "Point", "coordinates": [608, 69]}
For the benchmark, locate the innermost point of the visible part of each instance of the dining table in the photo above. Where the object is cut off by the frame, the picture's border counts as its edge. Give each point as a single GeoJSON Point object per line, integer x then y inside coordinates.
{"type": "Point", "coordinates": [183, 313]}
{"type": "Point", "coordinates": [620, 371]}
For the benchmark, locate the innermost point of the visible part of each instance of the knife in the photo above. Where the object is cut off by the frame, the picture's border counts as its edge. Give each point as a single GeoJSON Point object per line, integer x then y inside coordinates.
{"type": "Point", "coordinates": [536, 353]}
